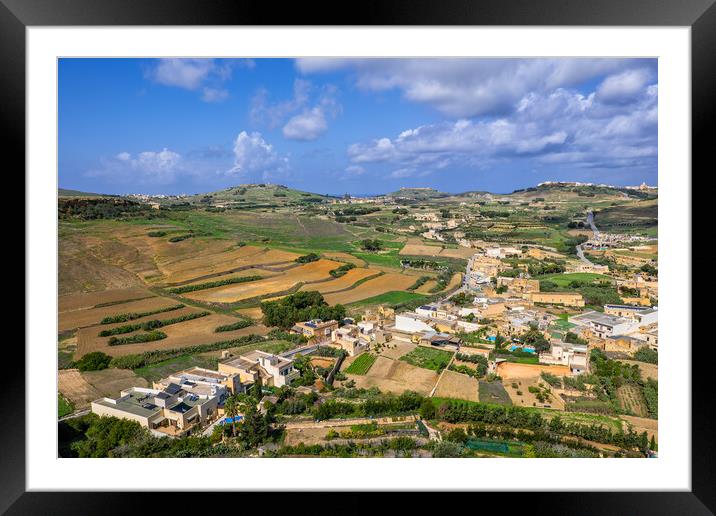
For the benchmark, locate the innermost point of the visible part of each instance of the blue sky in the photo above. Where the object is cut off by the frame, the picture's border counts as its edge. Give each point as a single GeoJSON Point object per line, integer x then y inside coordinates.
{"type": "Point", "coordinates": [362, 126]}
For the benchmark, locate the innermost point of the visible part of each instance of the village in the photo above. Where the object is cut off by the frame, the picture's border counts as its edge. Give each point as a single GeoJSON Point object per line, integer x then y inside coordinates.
{"type": "Point", "coordinates": [496, 339]}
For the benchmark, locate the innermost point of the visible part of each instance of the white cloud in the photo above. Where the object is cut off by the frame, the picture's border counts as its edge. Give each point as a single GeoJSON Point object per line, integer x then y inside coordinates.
{"type": "Point", "coordinates": [302, 119]}
{"type": "Point", "coordinates": [623, 87]}
{"type": "Point", "coordinates": [306, 126]}
{"type": "Point", "coordinates": [147, 167]}
{"type": "Point", "coordinates": [559, 127]}
{"type": "Point", "coordinates": [467, 87]}
{"type": "Point", "coordinates": [206, 75]}
{"type": "Point", "coordinates": [254, 156]}
{"type": "Point", "coordinates": [214, 95]}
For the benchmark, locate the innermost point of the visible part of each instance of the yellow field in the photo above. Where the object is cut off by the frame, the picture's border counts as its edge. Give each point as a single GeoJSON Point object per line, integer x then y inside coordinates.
{"type": "Point", "coordinates": [179, 335]}
{"type": "Point", "coordinates": [425, 288]}
{"type": "Point", "coordinates": [454, 281]}
{"type": "Point", "coordinates": [457, 385]}
{"type": "Point", "coordinates": [209, 260]}
{"type": "Point", "coordinates": [370, 288]}
{"type": "Point", "coordinates": [88, 317]}
{"type": "Point", "coordinates": [86, 300]}
{"type": "Point", "coordinates": [416, 247]}
{"type": "Point", "coordinates": [343, 282]}
{"type": "Point", "coordinates": [344, 257]}
{"type": "Point", "coordinates": [314, 271]}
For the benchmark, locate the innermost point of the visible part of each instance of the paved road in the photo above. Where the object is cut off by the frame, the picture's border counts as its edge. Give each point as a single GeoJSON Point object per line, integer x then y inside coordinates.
{"type": "Point", "coordinates": [595, 235]}
{"type": "Point", "coordinates": [75, 414]}
{"type": "Point", "coordinates": [349, 422]}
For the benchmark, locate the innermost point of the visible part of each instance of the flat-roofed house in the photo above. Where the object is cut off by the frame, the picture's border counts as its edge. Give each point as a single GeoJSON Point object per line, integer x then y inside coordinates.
{"type": "Point", "coordinates": [604, 325]}
{"type": "Point", "coordinates": [565, 353]}
{"type": "Point", "coordinates": [351, 339]}
{"type": "Point", "coordinates": [557, 298]}
{"type": "Point", "coordinates": [315, 329]}
{"type": "Point", "coordinates": [274, 370]}
{"type": "Point", "coordinates": [201, 380]}
{"type": "Point", "coordinates": [173, 411]}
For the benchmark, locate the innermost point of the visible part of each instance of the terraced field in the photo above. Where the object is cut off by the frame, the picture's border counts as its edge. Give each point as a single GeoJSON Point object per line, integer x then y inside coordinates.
{"type": "Point", "coordinates": [310, 272]}
{"type": "Point", "coordinates": [344, 282]}
{"type": "Point", "coordinates": [385, 283]}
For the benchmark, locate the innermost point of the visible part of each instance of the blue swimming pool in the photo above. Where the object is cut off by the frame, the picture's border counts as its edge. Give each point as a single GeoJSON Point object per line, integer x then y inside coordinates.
{"type": "Point", "coordinates": [526, 349]}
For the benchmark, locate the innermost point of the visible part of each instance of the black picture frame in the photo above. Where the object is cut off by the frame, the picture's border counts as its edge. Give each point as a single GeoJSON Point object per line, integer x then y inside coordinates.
{"type": "Point", "coordinates": [700, 15]}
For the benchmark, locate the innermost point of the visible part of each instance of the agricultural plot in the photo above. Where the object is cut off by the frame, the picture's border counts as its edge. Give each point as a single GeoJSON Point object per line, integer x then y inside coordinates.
{"type": "Point", "coordinates": [310, 272]}
{"type": "Point", "coordinates": [494, 392]}
{"type": "Point", "coordinates": [91, 316]}
{"type": "Point", "coordinates": [203, 265]}
{"type": "Point", "coordinates": [362, 364]}
{"type": "Point", "coordinates": [81, 389]}
{"type": "Point", "coordinates": [87, 300]}
{"type": "Point", "coordinates": [521, 395]}
{"type": "Point", "coordinates": [371, 288]}
{"type": "Point", "coordinates": [632, 400]}
{"type": "Point", "coordinates": [428, 358]}
{"type": "Point", "coordinates": [389, 298]}
{"type": "Point", "coordinates": [342, 283]}
{"type": "Point", "coordinates": [458, 386]}
{"type": "Point", "coordinates": [180, 335]}
{"type": "Point", "coordinates": [426, 287]}
{"type": "Point", "coordinates": [345, 257]}
{"type": "Point", "coordinates": [396, 376]}
{"type": "Point", "coordinates": [512, 370]}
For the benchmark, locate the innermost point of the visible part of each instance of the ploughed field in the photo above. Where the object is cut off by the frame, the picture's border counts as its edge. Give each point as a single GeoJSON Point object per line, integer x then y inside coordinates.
{"type": "Point", "coordinates": [89, 320]}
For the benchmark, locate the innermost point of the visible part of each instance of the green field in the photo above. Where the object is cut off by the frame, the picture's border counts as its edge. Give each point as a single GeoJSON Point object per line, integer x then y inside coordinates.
{"type": "Point", "coordinates": [362, 364]}
{"type": "Point", "coordinates": [494, 392]}
{"type": "Point", "coordinates": [64, 406]}
{"type": "Point", "coordinates": [563, 280]}
{"type": "Point", "coordinates": [428, 358]}
{"type": "Point", "coordinates": [389, 298]}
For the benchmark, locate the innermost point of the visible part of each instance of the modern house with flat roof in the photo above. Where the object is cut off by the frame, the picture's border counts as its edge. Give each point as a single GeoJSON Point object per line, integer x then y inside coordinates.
{"type": "Point", "coordinates": [173, 412]}
{"type": "Point", "coordinates": [203, 381]}
{"type": "Point", "coordinates": [604, 325]}
{"type": "Point", "coordinates": [273, 370]}
{"type": "Point", "coordinates": [564, 353]}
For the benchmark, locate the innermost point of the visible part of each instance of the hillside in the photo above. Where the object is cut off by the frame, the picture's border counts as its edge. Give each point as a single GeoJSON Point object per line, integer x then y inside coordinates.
{"type": "Point", "coordinates": [257, 194]}
{"type": "Point", "coordinates": [64, 192]}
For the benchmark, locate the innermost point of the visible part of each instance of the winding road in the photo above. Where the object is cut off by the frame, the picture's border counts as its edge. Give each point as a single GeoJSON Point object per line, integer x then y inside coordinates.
{"type": "Point", "coordinates": [595, 235]}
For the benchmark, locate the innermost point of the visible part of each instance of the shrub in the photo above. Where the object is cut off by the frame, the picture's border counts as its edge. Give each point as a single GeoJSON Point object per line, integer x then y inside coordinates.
{"type": "Point", "coordinates": [307, 258]}
{"type": "Point", "coordinates": [179, 238]}
{"type": "Point", "coordinates": [212, 284]}
{"type": "Point", "coordinates": [234, 326]}
{"type": "Point", "coordinates": [156, 234]}
{"type": "Point", "coordinates": [137, 315]}
{"type": "Point", "coordinates": [140, 337]}
{"type": "Point", "coordinates": [94, 361]}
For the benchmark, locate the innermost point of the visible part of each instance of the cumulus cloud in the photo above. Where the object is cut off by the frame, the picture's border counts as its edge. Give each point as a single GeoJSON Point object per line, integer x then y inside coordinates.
{"type": "Point", "coordinates": [624, 87]}
{"type": "Point", "coordinates": [306, 126]}
{"type": "Point", "coordinates": [205, 75]}
{"type": "Point", "coordinates": [563, 126]}
{"type": "Point", "coordinates": [467, 87]}
{"type": "Point", "coordinates": [302, 118]}
{"type": "Point", "coordinates": [253, 156]}
{"type": "Point", "coordinates": [149, 167]}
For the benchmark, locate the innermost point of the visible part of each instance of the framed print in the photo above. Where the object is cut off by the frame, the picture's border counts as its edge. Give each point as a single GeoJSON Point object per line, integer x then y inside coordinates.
{"type": "Point", "coordinates": [417, 250]}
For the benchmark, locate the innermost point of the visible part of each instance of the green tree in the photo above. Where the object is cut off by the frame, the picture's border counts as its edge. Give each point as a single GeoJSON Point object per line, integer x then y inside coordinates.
{"type": "Point", "coordinates": [254, 427]}
{"type": "Point", "coordinates": [231, 409]}
{"type": "Point", "coordinates": [93, 361]}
